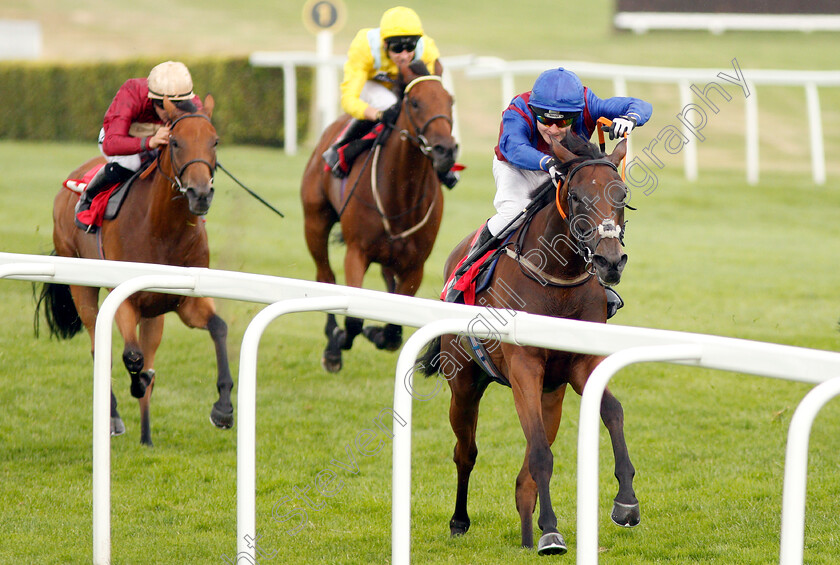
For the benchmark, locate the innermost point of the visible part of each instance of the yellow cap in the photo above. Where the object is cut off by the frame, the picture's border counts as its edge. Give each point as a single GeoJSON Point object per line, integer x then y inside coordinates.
{"type": "Point", "coordinates": [400, 21]}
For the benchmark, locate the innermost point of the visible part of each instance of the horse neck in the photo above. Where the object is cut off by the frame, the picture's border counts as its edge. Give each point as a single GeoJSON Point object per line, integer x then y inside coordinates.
{"type": "Point", "coordinates": [169, 212]}
{"type": "Point", "coordinates": [404, 189]}
{"type": "Point", "coordinates": [549, 236]}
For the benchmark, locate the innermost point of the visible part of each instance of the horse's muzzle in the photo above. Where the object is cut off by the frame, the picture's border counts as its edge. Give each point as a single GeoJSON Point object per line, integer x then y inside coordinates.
{"type": "Point", "coordinates": [443, 157]}
{"type": "Point", "coordinates": [199, 203]}
{"type": "Point", "coordinates": [609, 269]}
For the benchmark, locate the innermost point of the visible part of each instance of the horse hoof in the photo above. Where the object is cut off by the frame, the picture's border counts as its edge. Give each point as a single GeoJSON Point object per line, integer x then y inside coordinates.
{"type": "Point", "coordinates": [626, 515]}
{"type": "Point", "coordinates": [331, 363]}
{"type": "Point", "coordinates": [458, 527]}
{"type": "Point", "coordinates": [222, 420]}
{"type": "Point", "coordinates": [380, 338]}
{"type": "Point", "coordinates": [117, 427]}
{"type": "Point", "coordinates": [551, 544]}
{"type": "Point", "coordinates": [138, 389]}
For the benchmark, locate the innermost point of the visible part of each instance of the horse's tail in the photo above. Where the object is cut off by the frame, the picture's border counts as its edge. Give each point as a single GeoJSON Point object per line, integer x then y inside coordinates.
{"type": "Point", "coordinates": [429, 360]}
{"type": "Point", "coordinates": [59, 310]}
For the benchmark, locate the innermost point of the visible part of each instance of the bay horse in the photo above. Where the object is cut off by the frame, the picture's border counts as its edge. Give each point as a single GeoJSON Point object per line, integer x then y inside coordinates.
{"type": "Point", "coordinates": [556, 267]}
{"type": "Point", "coordinates": [389, 206]}
{"type": "Point", "coordinates": [160, 222]}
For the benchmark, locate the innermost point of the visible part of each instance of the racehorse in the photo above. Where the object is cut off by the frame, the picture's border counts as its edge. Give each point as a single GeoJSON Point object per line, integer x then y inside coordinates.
{"type": "Point", "coordinates": [389, 207]}
{"type": "Point", "coordinates": [159, 222]}
{"type": "Point", "coordinates": [554, 265]}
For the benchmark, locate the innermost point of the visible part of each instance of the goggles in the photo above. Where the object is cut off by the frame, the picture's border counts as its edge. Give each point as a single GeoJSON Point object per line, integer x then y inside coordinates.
{"type": "Point", "coordinates": [403, 44]}
{"type": "Point", "coordinates": [563, 122]}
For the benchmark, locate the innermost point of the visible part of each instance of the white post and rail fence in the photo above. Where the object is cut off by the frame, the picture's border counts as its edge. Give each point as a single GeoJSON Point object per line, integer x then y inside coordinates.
{"type": "Point", "coordinates": [623, 346]}
{"type": "Point", "coordinates": [477, 67]}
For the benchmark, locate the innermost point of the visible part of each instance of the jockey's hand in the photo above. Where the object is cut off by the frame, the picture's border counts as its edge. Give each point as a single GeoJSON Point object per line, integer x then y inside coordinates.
{"type": "Point", "coordinates": [554, 171]}
{"type": "Point", "coordinates": [389, 116]}
{"type": "Point", "coordinates": [622, 125]}
{"type": "Point", "coordinates": [161, 137]}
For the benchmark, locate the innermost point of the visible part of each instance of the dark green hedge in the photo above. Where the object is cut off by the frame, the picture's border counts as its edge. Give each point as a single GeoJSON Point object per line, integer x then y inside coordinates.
{"type": "Point", "coordinates": [68, 101]}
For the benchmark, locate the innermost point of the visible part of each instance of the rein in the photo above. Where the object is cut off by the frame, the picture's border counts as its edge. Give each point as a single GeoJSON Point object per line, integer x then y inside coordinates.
{"type": "Point", "coordinates": [419, 139]}
{"type": "Point", "coordinates": [422, 144]}
{"type": "Point", "coordinates": [606, 229]}
{"type": "Point", "coordinates": [175, 180]}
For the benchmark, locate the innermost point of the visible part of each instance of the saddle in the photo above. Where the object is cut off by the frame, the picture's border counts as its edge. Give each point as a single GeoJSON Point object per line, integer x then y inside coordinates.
{"type": "Point", "coordinates": [348, 152]}
{"type": "Point", "coordinates": [105, 205]}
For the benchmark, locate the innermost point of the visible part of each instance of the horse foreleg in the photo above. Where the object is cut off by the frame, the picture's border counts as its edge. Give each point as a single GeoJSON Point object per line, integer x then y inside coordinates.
{"type": "Point", "coordinates": [201, 313]}
{"type": "Point", "coordinates": [151, 332]}
{"type": "Point", "coordinates": [626, 510]}
{"type": "Point", "coordinates": [389, 336]}
{"type": "Point", "coordinates": [526, 376]}
{"type": "Point", "coordinates": [526, 486]}
{"type": "Point", "coordinates": [356, 264]}
{"type": "Point", "coordinates": [463, 417]}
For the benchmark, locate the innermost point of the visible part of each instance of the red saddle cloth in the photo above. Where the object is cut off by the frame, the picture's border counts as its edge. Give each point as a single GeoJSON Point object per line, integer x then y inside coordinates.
{"type": "Point", "coordinates": [466, 284]}
{"type": "Point", "coordinates": [94, 215]}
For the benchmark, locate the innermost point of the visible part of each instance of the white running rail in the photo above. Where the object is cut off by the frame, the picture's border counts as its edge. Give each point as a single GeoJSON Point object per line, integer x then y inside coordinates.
{"type": "Point", "coordinates": [624, 345]}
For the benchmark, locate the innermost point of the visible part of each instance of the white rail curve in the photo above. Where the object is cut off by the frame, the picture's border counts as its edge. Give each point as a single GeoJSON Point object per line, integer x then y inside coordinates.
{"type": "Point", "coordinates": [624, 345]}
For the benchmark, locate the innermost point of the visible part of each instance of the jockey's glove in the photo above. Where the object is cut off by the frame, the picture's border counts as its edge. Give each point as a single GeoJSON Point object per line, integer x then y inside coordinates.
{"type": "Point", "coordinates": [622, 125]}
{"type": "Point", "coordinates": [389, 116]}
{"type": "Point", "coordinates": [553, 166]}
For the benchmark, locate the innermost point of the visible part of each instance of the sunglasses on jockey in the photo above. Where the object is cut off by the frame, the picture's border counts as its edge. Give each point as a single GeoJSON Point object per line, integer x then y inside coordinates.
{"type": "Point", "coordinates": [550, 118]}
{"type": "Point", "coordinates": [398, 45]}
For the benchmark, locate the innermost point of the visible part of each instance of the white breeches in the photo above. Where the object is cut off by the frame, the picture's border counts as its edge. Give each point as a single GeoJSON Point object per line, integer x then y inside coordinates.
{"type": "Point", "coordinates": [131, 162]}
{"type": "Point", "coordinates": [514, 189]}
{"type": "Point", "coordinates": [378, 95]}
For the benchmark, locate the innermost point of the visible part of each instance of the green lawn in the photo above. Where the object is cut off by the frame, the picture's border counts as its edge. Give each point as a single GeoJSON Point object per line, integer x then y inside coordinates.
{"type": "Point", "coordinates": [716, 256]}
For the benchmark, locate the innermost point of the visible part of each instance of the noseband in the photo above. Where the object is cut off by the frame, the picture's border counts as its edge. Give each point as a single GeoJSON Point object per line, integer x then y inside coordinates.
{"type": "Point", "coordinates": [176, 181]}
{"type": "Point", "coordinates": [419, 138]}
{"type": "Point", "coordinates": [607, 229]}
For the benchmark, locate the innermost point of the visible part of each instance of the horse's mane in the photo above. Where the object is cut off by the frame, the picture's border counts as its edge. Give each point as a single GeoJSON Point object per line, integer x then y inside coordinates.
{"type": "Point", "coordinates": [581, 147]}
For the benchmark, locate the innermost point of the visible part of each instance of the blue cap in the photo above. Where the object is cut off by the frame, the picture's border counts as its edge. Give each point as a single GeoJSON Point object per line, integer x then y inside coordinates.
{"type": "Point", "coordinates": [557, 90]}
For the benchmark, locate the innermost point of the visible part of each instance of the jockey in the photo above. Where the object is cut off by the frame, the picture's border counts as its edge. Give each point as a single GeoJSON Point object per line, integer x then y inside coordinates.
{"type": "Point", "coordinates": [372, 67]}
{"type": "Point", "coordinates": [557, 104]}
{"type": "Point", "coordinates": [134, 127]}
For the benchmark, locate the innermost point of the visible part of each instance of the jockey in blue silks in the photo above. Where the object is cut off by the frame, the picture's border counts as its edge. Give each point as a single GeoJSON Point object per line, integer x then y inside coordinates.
{"type": "Point", "coordinates": [557, 104]}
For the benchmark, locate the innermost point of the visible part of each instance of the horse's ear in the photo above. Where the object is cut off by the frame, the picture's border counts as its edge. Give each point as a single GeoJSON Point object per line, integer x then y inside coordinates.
{"type": "Point", "coordinates": [618, 153]}
{"type": "Point", "coordinates": [171, 110]}
{"type": "Point", "coordinates": [561, 152]}
{"type": "Point", "coordinates": [209, 104]}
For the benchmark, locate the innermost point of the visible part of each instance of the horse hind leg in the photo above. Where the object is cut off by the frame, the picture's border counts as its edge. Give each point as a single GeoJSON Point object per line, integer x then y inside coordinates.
{"type": "Point", "coordinates": [467, 391]}
{"type": "Point", "coordinates": [151, 332]}
{"type": "Point", "coordinates": [85, 302]}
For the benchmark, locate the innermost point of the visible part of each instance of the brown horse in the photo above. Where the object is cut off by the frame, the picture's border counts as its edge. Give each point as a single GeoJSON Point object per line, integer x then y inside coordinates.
{"type": "Point", "coordinates": [160, 222]}
{"type": "Point", "coordinates": [389, 207]}
{"type": "Point", "coordinates": [556, 266]}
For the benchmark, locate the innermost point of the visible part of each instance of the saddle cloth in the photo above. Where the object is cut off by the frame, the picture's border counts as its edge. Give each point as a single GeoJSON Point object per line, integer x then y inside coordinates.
{"type": "Point", "coordinates": [478, 276]}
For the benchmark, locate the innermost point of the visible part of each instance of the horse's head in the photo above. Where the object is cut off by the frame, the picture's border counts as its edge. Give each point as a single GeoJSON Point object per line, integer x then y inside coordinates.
{"type": "Point", "coordinates": [426, 117]}
{"type": "Point", "coordinates": [192, 154]}
{"type": "Point", "coordinates": [592, 199]}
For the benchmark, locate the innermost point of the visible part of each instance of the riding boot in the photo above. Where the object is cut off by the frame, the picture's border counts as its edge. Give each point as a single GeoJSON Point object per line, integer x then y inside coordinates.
{"type": "Point", "coordinates": [614, 302]}
{"type": "Point", "coordinates": [109, 175]}
{"type": "Point", "coordinates": [354, 130]}
{"type": "Point", "coordinates": [475, 252]}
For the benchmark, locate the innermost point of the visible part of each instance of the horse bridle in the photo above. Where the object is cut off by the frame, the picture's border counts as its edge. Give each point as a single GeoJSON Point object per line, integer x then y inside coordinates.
{"type": "Point", "coordinates": [176, 181]}
{"type": "Point", "coordinates": [607, 229]}
{"type": "Point", "coordinates": [419, 138]}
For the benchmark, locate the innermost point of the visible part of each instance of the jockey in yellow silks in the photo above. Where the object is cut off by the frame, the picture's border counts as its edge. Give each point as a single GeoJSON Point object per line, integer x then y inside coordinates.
{"type": "Point", "coordinates": [371, 69]}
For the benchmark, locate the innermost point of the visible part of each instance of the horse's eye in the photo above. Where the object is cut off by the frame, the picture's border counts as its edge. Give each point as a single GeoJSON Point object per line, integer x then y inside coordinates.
{"type": "Point", "coordinates": [173, 142]}
{"type": "Point", "coordinates": [414, 103]}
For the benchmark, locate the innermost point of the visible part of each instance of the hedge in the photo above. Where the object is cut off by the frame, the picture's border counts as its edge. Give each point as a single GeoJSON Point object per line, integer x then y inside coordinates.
{"type": "Point", "coordinates": [40, 101]}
